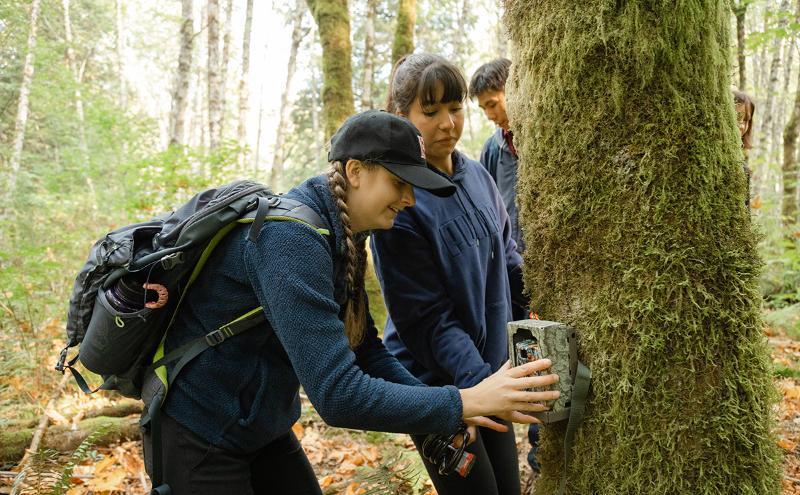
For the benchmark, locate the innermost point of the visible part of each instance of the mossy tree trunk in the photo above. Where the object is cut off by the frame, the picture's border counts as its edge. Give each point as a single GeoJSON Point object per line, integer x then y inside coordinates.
{"type": "Point", "coordinates": [632, 195]}
{"type": "Point", "coordinates": [403, 43]}
{"type": "Point", "coordinates": [333, 21]}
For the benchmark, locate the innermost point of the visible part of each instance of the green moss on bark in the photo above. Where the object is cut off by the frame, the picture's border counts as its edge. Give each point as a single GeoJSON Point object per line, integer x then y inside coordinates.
{"type": "Point", "coordinates": [403, 43]}
{"type": "Point", "coordinates": [333, 21]}
{"type": "Point", "coordinates": [631, 193]}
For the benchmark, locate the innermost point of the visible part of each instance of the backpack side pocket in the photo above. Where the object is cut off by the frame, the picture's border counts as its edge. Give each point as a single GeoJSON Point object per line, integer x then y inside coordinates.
{"type": "Point", "coordinates": [114, 339]}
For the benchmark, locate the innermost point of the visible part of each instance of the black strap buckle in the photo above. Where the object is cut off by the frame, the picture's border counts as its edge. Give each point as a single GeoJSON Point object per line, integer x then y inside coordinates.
{"type": "Point", "coordinates": [219, 335]}
{"type": "Point", "coordinates": [170, 261]}
{"type": "Point", "coordinates": [62, 359]}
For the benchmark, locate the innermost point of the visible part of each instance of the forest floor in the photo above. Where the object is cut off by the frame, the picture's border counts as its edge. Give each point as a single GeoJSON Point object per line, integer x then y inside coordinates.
{"type": "Point", "coordinates": [361, 463]}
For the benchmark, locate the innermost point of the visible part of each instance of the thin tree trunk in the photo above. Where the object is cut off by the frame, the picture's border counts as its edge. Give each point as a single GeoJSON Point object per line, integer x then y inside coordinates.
{"type": "Point", "coordinates": [214, 96]}
{"type": "Point", "coordinates": [197, 126]}
{"type": "Point", "coordinates": [244, 92]}
{"type": "Point", "coordinates": [22, 106]}
{"type": "Point", "coordinates": [77, 75]}
{"type": "Point", "coordinates": [257, 154]}
{"type": "Point", "coordinates": [740, 11]}
{"type": "Point", "coordinates": [283, 116]}
{"type": "Point", "coordinates": [180, 92]}
{"type": "Point", "coordinates": [768, 139]}
{"type": "Point", "coordinates": [462, 48]}
{"type": "Point", "coordinates": [333, 22]}
{"type": "Point", "coordinates": [789, 168]}
{"type": "Point", "coordinates": [122, 99]}
{"type": "Point", "coordinates": [772, 82]}
{"type": "Point", "coordinates": [368, 76]}
{"type": "Point", "coordinates": [403, 43]}
{"type": "Point", "coordinates": [223, 80]}
{"type": "Point", "coordinates": [643, 245]}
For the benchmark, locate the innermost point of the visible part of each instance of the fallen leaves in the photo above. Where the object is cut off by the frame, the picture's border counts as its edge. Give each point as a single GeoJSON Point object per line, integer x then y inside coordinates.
{"type": "Point", "coordinates": [119, 471]}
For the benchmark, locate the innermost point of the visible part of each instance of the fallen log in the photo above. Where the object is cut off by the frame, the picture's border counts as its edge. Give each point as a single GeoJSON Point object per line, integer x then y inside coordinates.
{"type": "Point", "coordinates": [119, 409]}
{"type": "Point", "coordinates": [64, 438]}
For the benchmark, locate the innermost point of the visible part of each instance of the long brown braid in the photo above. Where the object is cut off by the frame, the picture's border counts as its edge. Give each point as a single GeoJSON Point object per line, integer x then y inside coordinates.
{"type": "Point", "coordinates": [356, 252]}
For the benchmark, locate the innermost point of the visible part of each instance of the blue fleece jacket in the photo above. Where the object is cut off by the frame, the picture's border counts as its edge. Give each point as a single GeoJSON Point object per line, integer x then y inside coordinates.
{"type": "Point", "coordinates": [244, 393]}
{"type": "Point", "coordinates": [501, 163]}
{"type": "Point", "coordinates": [448, 269]}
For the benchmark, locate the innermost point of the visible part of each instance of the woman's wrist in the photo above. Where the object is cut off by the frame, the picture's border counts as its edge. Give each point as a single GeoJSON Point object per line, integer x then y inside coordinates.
{"type": "Point", "coordinates": [469, 403]}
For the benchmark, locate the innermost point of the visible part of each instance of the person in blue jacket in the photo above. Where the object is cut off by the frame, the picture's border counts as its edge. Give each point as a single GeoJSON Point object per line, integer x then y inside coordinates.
{"type": "Point", "coordinates": [226, 422]}
{"type": "Point", "coordinates": [499, 157]}
{"type": "Point", "coordinates": [449, 269]}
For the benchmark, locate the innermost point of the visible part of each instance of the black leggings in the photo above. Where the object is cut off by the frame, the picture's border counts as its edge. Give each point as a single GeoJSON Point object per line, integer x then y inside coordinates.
{"type": "Point", "coordinates": [496, 468]}
{"type": "Point", "coordinates": [193, 466]}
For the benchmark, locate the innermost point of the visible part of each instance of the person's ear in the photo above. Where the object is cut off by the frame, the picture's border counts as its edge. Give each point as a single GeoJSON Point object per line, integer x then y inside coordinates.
{"type": "Point", "coordinates": [353, 170]}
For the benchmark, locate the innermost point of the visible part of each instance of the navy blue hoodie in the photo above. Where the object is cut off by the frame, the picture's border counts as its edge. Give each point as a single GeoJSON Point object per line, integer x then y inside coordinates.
{"type": "Point", "coordinates": [243, 394]}
{"type": "Point", "coordinates": [448, 269]}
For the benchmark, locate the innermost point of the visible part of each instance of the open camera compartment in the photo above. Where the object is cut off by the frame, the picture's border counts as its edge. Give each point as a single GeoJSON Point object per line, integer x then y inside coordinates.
{"type": "Point", "coordinates": [535, 339]}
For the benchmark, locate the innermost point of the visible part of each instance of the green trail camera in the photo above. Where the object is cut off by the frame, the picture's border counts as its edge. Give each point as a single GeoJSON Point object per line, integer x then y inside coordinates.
{"type": "Point", "coordinates": [529, 340]}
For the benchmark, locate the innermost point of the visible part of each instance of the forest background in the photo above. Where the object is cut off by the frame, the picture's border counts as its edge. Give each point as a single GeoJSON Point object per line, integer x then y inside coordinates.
{"type": "Point", "coordinates": [113, 111]}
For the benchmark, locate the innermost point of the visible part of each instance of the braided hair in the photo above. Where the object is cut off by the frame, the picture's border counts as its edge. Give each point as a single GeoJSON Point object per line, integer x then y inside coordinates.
{"type": "Point", "coordinates": [356, 254]}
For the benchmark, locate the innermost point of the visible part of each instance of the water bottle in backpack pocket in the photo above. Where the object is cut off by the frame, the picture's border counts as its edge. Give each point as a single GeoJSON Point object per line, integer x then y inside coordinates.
{"type": "Point", "coordinates": [122, 319]}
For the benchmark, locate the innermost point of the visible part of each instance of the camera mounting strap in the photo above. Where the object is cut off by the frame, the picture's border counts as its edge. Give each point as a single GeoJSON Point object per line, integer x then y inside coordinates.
{"type": "Point", "coordinates": [580, 391]}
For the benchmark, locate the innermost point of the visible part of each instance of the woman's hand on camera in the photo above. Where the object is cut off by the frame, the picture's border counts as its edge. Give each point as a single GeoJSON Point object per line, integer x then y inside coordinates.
{"type": "Point", "coordinates": [504, 394]}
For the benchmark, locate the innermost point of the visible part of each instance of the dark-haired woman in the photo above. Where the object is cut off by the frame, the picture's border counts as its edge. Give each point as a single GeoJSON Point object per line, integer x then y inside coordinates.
{"type": "Point", "coordinates": [450, 270]}
{"type": "Point", "coordinates": [227, 418]}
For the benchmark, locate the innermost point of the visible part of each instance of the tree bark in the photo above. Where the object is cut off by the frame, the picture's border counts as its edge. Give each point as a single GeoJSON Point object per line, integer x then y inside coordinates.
{"type": "Point", "coordinates": [283, 116]}
{"type": "Point", "coordinates": [244, 92]}
{"type": "Point", "coordinates": [257, 154]}
{"type": "Point", "coordinates": [789, 168]}
{"type": "Point", "coordinates": [462, 45]}
{"type": "Point", "coordinates": [22, 107]}
{"type": "Point", "coordinates": [64, 438]}
{"type": "Point", "coordinates": [333, 21]}
{"type": "Point", "coordinates": [740, 11]}
{"type": "Point", "coordinates": [214, 96]}
{"type": "Point", "coordinates": [180, 91]}
{"type": "Point", "coordinates": [368, 75]}
{"type": "Point", "coordinates": [772, 82]}
{"type": "Point", "coordinates": [404, 30]}
{"type": "Point", "coordinates": [223, 80]}
{"type": "Point", "coordinates": [643, 244]}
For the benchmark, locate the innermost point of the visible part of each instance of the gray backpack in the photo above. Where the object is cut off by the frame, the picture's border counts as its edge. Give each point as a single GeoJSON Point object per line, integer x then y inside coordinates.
{"type": "Point", "coordinates": [168, 253]}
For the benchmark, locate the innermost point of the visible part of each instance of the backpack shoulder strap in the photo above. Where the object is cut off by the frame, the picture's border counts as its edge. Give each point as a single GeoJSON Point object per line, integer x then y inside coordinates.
{"type": "Point", "coordinates": [279, 208]}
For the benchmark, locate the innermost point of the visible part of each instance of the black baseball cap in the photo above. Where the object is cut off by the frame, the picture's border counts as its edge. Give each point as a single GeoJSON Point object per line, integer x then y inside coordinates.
{"type": "Point", "coordinates": [392, 141]}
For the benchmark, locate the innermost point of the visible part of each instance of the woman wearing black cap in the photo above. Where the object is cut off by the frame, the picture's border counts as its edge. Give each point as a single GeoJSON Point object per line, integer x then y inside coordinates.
{"type": "Point", "coordinates": [226, 422]}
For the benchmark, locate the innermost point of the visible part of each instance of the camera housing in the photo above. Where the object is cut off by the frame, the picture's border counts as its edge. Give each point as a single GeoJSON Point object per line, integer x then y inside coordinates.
{"type": "Point", "coordinates": [529, 340]}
